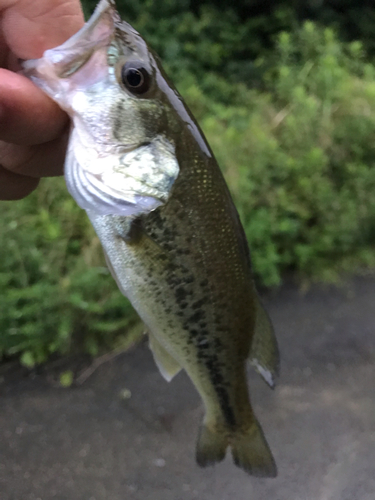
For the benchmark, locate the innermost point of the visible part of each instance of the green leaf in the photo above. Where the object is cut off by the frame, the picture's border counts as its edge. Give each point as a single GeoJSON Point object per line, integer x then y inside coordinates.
{"type": "Point", "coordinates": [66, 378]}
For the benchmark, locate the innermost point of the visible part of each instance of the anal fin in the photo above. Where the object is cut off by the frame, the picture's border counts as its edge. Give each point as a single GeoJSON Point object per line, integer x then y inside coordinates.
{"type": "Point", "coordinates": [166, 363]}
{"type": "Point", "coordinates": [264, 351]}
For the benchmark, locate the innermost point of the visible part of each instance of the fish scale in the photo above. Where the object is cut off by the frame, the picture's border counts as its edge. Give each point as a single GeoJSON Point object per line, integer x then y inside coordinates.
{"type": "Point", "coordinates": [140, 166]}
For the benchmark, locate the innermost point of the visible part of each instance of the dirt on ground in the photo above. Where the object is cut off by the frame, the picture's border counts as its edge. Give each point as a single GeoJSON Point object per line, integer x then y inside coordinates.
{"type": "Point", "coordinates": [126, 434]}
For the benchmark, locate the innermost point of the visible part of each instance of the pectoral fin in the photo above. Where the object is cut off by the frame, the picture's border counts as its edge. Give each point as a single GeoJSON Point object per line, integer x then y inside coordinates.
{"type": "Point", "coordinates": [167, 365]}
{"type": "Point", "coordinates": [264, 353]}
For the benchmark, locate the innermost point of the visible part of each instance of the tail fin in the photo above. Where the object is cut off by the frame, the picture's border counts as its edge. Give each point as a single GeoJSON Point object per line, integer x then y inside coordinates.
{"type": "Point", "coordinates": [250, 450]}
{"type": "Point", "coordinates": [211, 446]}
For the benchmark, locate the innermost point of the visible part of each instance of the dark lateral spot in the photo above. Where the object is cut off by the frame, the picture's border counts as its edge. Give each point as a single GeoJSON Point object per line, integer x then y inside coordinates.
{"type": "Point", "coordinates": [220, 328]}
{"type": "Point", "coordinates": [204, 346]}
{"type": "Point", "coordinates": [202, 355]}
{"type": "Point", "coordinates": [225, 406]}
{"type": "Point", "coordinates": [168, 234]}
{"type": "Point", "coordinates": [135, 233]}
{"type": "Point", "coordinates": [171, 267]}
{"type": "Point", "coordinates": [180, 293]}
{"type": "Point", "coordinates": [213, 365]}
{"type": "Point", "coordinates": [199, 303]}
{"type": "Point", "coordinates": [218, 343]}
{"type": "Point", "coordinates": [204, 283]}
{"type": "Point", "coordinates": [217, 379]}
{"type": "Point", "coordinates": [182, 251]}
{"type": "Point", "coordinates": [173, 281]}
{"type": "Point", "coordinates": [168, 247]}
{"type": "Point", "coordinates": [196, 317]}
{"type": "Point", "coordinates": [156, 219]}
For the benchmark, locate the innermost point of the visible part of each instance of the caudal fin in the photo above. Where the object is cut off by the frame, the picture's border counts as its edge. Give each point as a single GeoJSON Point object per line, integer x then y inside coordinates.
{"type": "Point", "coordinates": [211, 446]}
{"type": "Point", "coordinates": [250, 450]}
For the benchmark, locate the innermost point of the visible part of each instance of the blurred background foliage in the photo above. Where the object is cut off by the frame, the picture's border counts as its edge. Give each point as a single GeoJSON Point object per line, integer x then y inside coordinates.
{"type": "Point", "coordinates": [285, 92]}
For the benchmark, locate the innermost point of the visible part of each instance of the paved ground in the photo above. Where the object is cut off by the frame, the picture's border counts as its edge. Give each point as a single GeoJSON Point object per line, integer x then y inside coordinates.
{"type": "Point", "coordinates": [89, 443]}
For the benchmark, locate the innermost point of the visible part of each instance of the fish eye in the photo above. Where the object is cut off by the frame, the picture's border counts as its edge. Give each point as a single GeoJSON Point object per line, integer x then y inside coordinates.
{"type": "Point", "coordinates": [135, 77]}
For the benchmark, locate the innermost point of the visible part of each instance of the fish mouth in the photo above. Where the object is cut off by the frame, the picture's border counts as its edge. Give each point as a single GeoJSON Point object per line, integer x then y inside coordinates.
{"type": "Point", "coordinates": [104, 176]}
{"type": "Point", "coordinates": [52, 71]}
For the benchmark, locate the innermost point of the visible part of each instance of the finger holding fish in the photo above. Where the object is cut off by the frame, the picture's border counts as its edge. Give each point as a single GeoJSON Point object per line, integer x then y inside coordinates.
{"type": "Point", "coordinates": [28, 118]}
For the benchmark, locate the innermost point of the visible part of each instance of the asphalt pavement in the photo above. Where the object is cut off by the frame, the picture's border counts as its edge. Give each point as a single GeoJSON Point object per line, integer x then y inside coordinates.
{"type": "Point", "coordinates": [126, 434]}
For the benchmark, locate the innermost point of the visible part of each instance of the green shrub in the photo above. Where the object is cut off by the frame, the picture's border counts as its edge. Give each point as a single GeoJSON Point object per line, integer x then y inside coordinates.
{"type": "Point", "coordinates": [54, 285]}
{"type": "Point", "coordinates": [226, 37]}
{"type": "Point", "coordinates": [300, 158]}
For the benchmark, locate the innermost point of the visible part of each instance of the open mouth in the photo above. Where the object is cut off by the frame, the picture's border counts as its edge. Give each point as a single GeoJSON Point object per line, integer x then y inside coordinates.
{"type": "Point", "coordinates": [59, 64]}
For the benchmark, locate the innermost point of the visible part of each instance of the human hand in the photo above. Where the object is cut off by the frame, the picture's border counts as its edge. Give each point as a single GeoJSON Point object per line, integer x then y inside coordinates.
{"type": "Point", "coordinates": [33, 129]}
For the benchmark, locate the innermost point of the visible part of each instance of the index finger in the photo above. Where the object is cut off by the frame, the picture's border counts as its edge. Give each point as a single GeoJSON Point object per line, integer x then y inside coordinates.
{"type": "Point", "coordinates": [27, 115]}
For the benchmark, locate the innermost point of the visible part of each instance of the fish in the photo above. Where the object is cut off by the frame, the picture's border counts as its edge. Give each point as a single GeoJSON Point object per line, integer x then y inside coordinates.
{"type": "Point", "coordinates": [140, 166]}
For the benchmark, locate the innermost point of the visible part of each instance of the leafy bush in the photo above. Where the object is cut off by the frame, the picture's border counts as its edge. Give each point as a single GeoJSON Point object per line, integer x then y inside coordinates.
{"type": "Point", "coordinates": [53, 281]}
{"type": "Point", "coordinates": [194, 41]}
{"type": "Point", "coordinates": [300, 158]}
{"type": "Point", "coordinates": [226, 37]}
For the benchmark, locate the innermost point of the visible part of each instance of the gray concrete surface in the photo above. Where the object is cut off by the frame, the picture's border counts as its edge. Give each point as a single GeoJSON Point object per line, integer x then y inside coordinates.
{"type": "Point", "coordinates": [88, 443]}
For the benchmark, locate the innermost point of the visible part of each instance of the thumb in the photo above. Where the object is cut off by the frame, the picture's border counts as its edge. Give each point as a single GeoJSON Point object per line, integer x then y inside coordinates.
{"type": "Point", "coordinates": [30, 27]}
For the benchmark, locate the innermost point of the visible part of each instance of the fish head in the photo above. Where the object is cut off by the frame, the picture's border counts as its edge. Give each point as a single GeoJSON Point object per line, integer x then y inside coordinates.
{"type": "Point", "coordinates": [121, 157]}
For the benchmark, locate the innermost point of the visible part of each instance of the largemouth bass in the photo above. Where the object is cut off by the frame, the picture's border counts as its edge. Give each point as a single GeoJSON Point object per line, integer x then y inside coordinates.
{"type": "Point", "coordinates": [138, 163]}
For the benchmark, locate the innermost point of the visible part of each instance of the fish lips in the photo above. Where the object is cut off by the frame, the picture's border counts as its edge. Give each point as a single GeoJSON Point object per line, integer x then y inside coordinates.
{"type": "Point", "coordinates": [53, 72]}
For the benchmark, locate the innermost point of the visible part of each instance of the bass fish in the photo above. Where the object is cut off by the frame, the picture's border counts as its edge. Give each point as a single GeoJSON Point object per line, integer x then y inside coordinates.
{"type": "Point", "coordinates": [139, 164]}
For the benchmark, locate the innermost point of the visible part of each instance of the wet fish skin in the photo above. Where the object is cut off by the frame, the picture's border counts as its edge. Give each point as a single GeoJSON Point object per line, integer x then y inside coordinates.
{"type": "Point", "coordinates": [184, 263]}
